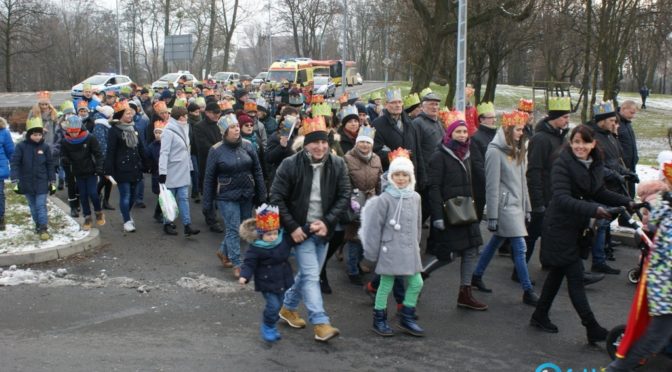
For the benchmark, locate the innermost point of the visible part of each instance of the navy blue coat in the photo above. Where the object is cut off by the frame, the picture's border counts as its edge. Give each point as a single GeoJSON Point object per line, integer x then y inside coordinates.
{"type": "Point", "coordinates": [269, 266]}
{"type": "Point", "coordinates": [33, 166]}
{"type": "Point", "coordinates": [123, 163]}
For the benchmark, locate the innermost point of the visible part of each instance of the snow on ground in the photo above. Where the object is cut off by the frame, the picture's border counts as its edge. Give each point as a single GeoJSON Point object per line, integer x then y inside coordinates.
{"type": "Point", "coordinates": [647, 173]}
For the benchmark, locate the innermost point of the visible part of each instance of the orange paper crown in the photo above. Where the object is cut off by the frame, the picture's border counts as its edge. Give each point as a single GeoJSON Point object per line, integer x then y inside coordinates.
{"type": "Point", "coordinates": [250, 106]}
{"type": "Point", "coordinates": [526, 105]}
{"type": "Point", "coordinates": [121, 106]}
{"type": "Point", "coordinates": [399, 152]}
{"type": "Point", "coordinates": [82, 105]}
{"type": "Point", "coordinates": [310, 125]}
{"type": "Point", "coordinates": [226, 105]}
{"type": "Point", "coordinates": [318, 98]}
{"type": "Point", "coordinates": [514, 118]}
{"type": "Point", "coordinates": [667, 171]}
{"type": "Point", "coordinates": [160, 124]}
{"type": "Point", "coordinates": [208, 92]}
{"type": "Point", "coordinates": [267, 218]}
{"type": "Point", "coordinates": [43, 95]}
{"type": "Point", "coordinates": [160, 106]}
{"type": "Point", "coordinates": [449, 117]}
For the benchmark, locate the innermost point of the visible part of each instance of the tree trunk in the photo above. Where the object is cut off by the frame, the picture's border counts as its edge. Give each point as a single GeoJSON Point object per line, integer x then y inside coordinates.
{"type": "Point", "coordinates": [166, 33]}
{"type": "Point", "coordinates": [211, 38]}
{"type": "Point", "coordinates": [585, 82]}
{"type": "Point", "coordinates": [423, 71]}
{"type": "Point", "coordinates": [491, 83]}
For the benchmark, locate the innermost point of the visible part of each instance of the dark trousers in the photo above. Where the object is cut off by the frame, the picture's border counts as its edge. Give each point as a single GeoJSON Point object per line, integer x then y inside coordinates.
{"type": "Point", "coordinates": [658, 335]}
{"type": "Point", "coordinates": [107, 185]}
{"type": "Point", "coordinates": [71, 185]}
{"type": "Point", "coordinates": [534, 229]}
{"type": "Point", "coordinates": [577, 292]}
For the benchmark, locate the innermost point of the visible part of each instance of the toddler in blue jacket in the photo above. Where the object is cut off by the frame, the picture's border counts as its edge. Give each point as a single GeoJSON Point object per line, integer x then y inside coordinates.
{"type": "Point", "coordinates": [267, 260]}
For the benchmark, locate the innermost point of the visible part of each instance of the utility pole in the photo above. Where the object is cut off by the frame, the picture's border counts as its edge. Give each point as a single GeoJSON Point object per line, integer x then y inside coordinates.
{"type": "Point", "coordinates": [344, 82]}
{"type": "Point", "coordinates": [270, 37]}
{"type": "Point", "coordinates": [119, 38]}
{"type": "Point", "coordinates": [461, 75]}
{"type": "Point", "coordinates": [386, 61]}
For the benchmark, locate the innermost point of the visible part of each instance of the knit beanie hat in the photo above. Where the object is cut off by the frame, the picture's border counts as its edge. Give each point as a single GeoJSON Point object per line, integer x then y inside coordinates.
{"type": "Point", "coordinates": [451, 128]}
{"type": "Point", "coordinates": [243, 118]}
{"type": "Point", "coordinates": [402, 164]}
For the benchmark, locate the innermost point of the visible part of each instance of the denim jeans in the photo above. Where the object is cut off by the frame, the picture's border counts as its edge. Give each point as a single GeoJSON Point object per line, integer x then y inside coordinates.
{"type": "Point", "coordinates": [599, 257]}
{"type": "Point", "coordinates": [233, 213]}
{"type": "Point", "coordinates": [194, 175]}
{"type": "Point", "coordinates": [38, 208]}
{"type": "Point", "coordinates": [126, 199]}
{"type": "Point", "coordinates": [273, 304]}
{"type": "Point", "coordinates": [87, 190]}
{"type": "Point", "coordinates": [355, 254]}
{"type": "Point", "coordinates": [310, 256]}
{"type": "Point", "coordinates": [518, 252]}
{"type": "Point", "coordinates": [140, 191]}
{"type": "Point", "coordinates": [2, 198]}
{"type": "Point", "coordinates": [182, 198]}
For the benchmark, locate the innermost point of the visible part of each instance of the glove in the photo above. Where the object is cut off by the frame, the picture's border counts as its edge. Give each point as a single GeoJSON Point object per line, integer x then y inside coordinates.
{"type": "Point", "coordinates": [52, 189]}
{"type": "Point", "coordinates": [492, 224]}
{"type": "Point", "coordinates": [638, 206]}
{"type": "Point", "coordinates": [162, 178]}
{"type": "Point", "coordinates": [528, 217]}
{"type": "Point", "coordinates": [439, 225]}
{"type": "Point", "coordinates": [602, 214]}
{"type": "Point", "coordinates": [632, 177]}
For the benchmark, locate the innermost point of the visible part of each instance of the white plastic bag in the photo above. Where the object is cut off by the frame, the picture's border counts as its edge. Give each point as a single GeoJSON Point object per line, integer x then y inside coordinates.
{"type": "Point", "coordinates": [167, 203]}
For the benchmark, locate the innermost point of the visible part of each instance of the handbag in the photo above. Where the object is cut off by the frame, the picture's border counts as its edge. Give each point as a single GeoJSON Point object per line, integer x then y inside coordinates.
{"type": "Point", "coordinates": [460, 210]}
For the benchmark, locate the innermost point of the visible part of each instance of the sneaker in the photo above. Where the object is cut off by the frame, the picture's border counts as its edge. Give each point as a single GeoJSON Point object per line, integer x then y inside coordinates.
{"type": "Point", "coordinates": [268, 333]}
{"type": "Point", "coordinates": [292, 318]}
{"type": "Point", "coordinates": [100, 218]}
{"type": "Point", "coordinates": [44, 235]}
{"type": "Point", "coordinates": [325, 332]}
{"type": "Point", "coordinates": [87, 223]}
{"type": "Point", "coordinates": [605, 269]}
{"type": "Point", "coordinates": [129, 226]}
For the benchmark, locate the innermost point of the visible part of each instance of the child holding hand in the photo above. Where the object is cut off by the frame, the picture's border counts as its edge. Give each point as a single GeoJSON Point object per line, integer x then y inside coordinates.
{"type": "Point", "coordinates": [267, 260]}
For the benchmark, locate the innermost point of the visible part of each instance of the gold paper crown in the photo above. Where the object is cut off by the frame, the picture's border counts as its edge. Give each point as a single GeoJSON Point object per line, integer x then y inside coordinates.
{"type": "Point", "coordinates": [225, 105]}
{"type": "Point", "coordinates": [86, 86]}
{"type": "Point", "coordinates": [310, 125]}
{"type": "Point", "coordinates": [121, 106]}
{"type": "Point", "coordinates": [34, 122]}
{"type": "Point", "coordinates": [413, 99]}
{"type": "Point", "coordinates": [399, 152]}
{"type": "Point", "coordinates": [267, 218]}
{"type": "Point", "coordinates": [43, 95]}
{"type": "Point", "coordinates": [526, 105]}
{"type": "Point", "coordinates": [160, 124]}
{"type": "Point", "coordinates": [485, 108]}
{"type": "Point", "coordinates": [318, 98]}
{"type": "Point", "coordinates": [514, 118]}
{"type": "Point", "coordinates": [160, 106]}
{"type": "Point", "coordinates": [559, 104]}
{"type": "Point", "coordinates": [425, 91]}
{"type": "Point", "coordinates": [250, 106]}
{"type": "Point", "coordinates": [667, 171]}
{"type": "Point", "coordinates": [448, 117]}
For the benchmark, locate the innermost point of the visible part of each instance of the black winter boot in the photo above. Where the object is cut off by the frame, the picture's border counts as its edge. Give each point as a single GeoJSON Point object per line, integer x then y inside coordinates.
{"type": "Point", "coordinates": [477, 282]}
{"type": "Point", "coordinates": [74, 204]}
{"type": "Point", "coordinates": [540, 320]}
{"type": "Point", "coordinates": [408, 324]}
{"type": "Point", "coordinates": [380, 325]}
{"type": "Point", "coordinates": [188, 231]}
{"type": "Point", "coordinates": [594, 331]}
{"type": "Point", "coordinates": [169, 229]}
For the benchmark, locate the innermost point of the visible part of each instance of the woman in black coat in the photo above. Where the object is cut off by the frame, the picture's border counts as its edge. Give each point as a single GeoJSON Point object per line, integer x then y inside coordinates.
{"type": "Point", "coordinates": [450, 175]}
{"type": "Point", "coordinates": [578, 195]}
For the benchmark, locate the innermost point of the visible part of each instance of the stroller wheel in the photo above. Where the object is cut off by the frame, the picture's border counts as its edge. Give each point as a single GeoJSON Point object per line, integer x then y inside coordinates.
{"type": "Point", "coordinates": [614, 339]}
{"type": "Point", "coordinates": [633, 276]}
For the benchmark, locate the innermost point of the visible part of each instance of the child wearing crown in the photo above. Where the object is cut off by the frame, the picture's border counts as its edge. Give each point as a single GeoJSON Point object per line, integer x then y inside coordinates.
{"type": "Point", "coordinates": [267, 260]}
{"type": "Point", "coordinates": [390, 234]}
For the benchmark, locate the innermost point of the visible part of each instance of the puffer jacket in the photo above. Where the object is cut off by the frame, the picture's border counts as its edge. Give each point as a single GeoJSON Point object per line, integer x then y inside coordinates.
{"type": "Point", "coordinates": [542, 151]}
{"type": "Point", "coordinates": [6, 150]}
{"type": "Point", "coordinates": [233, 173]}
{"type": "Point", "coordinates": [291, 190]}
{"type": "Point", "coordinates": [124, 163]}
{"type": "Point", "coordinates": [32, 166]}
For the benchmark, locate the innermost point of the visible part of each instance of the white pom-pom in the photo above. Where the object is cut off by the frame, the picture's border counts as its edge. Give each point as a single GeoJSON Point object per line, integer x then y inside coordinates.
{"type": "Point", "coordinates": [393, 222]}
{"type": "Point", "coordinates": [397, 227]}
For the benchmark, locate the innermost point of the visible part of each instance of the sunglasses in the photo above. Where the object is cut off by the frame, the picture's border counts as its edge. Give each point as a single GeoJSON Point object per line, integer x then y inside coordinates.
{"type": "Point", "coordinates": [248, 125]}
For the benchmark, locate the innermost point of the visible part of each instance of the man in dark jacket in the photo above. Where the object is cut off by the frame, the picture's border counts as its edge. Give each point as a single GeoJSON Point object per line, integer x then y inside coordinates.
{"type": "Point", "coordinates": [194, 118]}
{"type": "Point", "coordinates": [431, 134]}
{"type": "Point", "coordinates": [206, 134]}
{"type": "Point", "coordinates": [394, 130]}
{"type": "Point", "coordinates": [312, 192]}
{"type": "Point", "coordinates": [626, 136]}
{"type": "Point", "coordinates": [487, 127]}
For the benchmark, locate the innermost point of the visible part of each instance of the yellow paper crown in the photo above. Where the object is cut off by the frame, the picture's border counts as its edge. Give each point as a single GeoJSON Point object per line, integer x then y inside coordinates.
{"type": "Point", "coordinates": [448, 117]}
{"type": "Point", "coordinates": [399, 152]}
{"type": "Point", "coordinates": [514, 118]}
{"type": "Point", "coordinates": [485, 108]}
{"type": "Point", "coordinates": [559, 104]}
{"type": "Point", "coordinates": [121, 106]}
{"type": "Point", "coordinates": [180, 102]}
{"type": "Point", "coordinates": [412, 100]}
{"type": "Point", "coordinates": [425, 91]}
{"type": "Point", "coordinates": [34, 122]}
{"type": "Point", "coordinates": [86, 86]}
{"type": "Point", "coordinates": [376, 95]}
{"type": "Point", "coordinates": [526, 105]}
{"type": "Point", "coordinates": [67, 105]}
{"type": "Point", "coordinates": [310, 125]}
{"type": "Point", "coordinates": [320, 109]}
{"type": "Point", "coordinates": [267, 218]}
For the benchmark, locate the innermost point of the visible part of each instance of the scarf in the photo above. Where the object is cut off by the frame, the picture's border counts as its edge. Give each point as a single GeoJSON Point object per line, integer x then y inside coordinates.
{"type": "Point", "coordinates": [350, 134]}
{"type": "Point", "coordinates": [128, 134]}
{"type": "Point", "coordinates": [80, 138]}
{"type": "Point", "coordinates": [364, 158]}
{"type": "Point", "coordinates": [267, 245]}
{"type": "Point", "coordinates": [398, 193]}
{"type": "Point", "coordinates": [458, 148]}
{"type": "Point", "coordinates": [252, 138]}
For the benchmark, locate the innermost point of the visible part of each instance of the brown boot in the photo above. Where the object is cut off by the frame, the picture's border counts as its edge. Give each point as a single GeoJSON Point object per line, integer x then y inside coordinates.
{"type": "Point", "coordinates": [467, 300]}
{"type": "Point", "coordinates": [224, 259]}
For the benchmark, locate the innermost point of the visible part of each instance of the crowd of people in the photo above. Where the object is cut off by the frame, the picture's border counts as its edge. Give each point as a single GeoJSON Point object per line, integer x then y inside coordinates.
{"type": "Point", "coordinates": [288, 171]}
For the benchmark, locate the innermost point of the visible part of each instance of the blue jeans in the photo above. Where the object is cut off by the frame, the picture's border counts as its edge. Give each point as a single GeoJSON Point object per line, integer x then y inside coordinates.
{"type": "Point", "coordinates": [194, 175]}
{"type": "Point", "coordinates": [2, 198]}
{"type": "Point", "coordinates": [273, 304]}
{"type": "Point", "coordinates": [182, 198]}
{"type": "Point", "coordinates": [38, 208]}
{"type": "Point", "coordinates": [87, 190]}
{"type": "Point", "coordinates": [140, 191]}
{"type": "Point", "coordinates": [599, 257]}
{"type": "Point", "coordinates": [126, 199]}
{"type": "Point", "coordinates": [355, 254]}
{"type": "Point", "coordinates": [310, 256]}
{"type": "Point", "coordinates": [233, 213]}
{"type": "Point", "coordinates": [518, 251]}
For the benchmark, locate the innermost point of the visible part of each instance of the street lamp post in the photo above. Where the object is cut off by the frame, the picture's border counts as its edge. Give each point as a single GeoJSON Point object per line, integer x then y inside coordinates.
{"type": "Point", "coordinates": [344, 82]}
{"type": "Point", "coordinates": [461, 73]}
{"type": "Point", "coordinates": [119, 37]}
{"type": "Point", "coordinates": [270, 36]}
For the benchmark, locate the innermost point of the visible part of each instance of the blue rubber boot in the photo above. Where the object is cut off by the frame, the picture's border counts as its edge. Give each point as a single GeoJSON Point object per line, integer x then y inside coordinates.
{"type": "Point", "coordinates": [268, 333]}
{"type": "Point", "coordinates": [380, 325]}
{"type": "Point", "coordinates": [408, 324]}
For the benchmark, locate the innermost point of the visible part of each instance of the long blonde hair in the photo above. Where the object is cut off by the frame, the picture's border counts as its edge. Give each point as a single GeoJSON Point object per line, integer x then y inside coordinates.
{"type": "Point", "coordinates": [518, 150]}
{"type": "Point", "coordinates": [36, 112]}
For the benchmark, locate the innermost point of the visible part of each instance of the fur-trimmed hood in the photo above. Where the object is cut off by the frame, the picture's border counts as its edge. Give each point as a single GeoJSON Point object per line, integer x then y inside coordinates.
{"type": "Point", "coordinates": [248, 230]}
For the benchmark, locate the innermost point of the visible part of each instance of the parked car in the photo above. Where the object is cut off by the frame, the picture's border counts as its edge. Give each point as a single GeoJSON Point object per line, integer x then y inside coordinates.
{"type": "Point", "coordinates": [102, 82]}
{"type": "Point", "coordinates": [226, 78]}
{"type": "Point", "coordinates": [260, 78]}
{"type": "Point", "coordinates": [324, 85]}
{"type": "Point", "coordinates": [358, 79]}
{"type": "Point", "coordinates": [174, 77]}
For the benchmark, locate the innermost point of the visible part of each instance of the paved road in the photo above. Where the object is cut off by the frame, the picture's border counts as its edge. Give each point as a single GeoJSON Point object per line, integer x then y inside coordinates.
{"type": "Point", "coordinates": [103, 323]}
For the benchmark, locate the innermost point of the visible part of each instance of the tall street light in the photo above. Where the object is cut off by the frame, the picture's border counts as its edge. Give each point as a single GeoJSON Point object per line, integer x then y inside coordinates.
{"type": "Point", "coordinates": [119, 37]}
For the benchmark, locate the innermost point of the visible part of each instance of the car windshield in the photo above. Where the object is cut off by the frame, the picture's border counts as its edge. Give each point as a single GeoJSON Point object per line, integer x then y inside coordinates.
{"type": "Point", "coordinates": [281, 75]}
{"type": "Point", "coordinates": [169, 77]}
{"type": "Point", "coordinates": [96, 80]}
{"type": "Point", "coordinates": [222, 75]}
{"type": "Point", "coordinates": [321, 80]}
{"type": "Point", "coordinates": [261, 75]}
